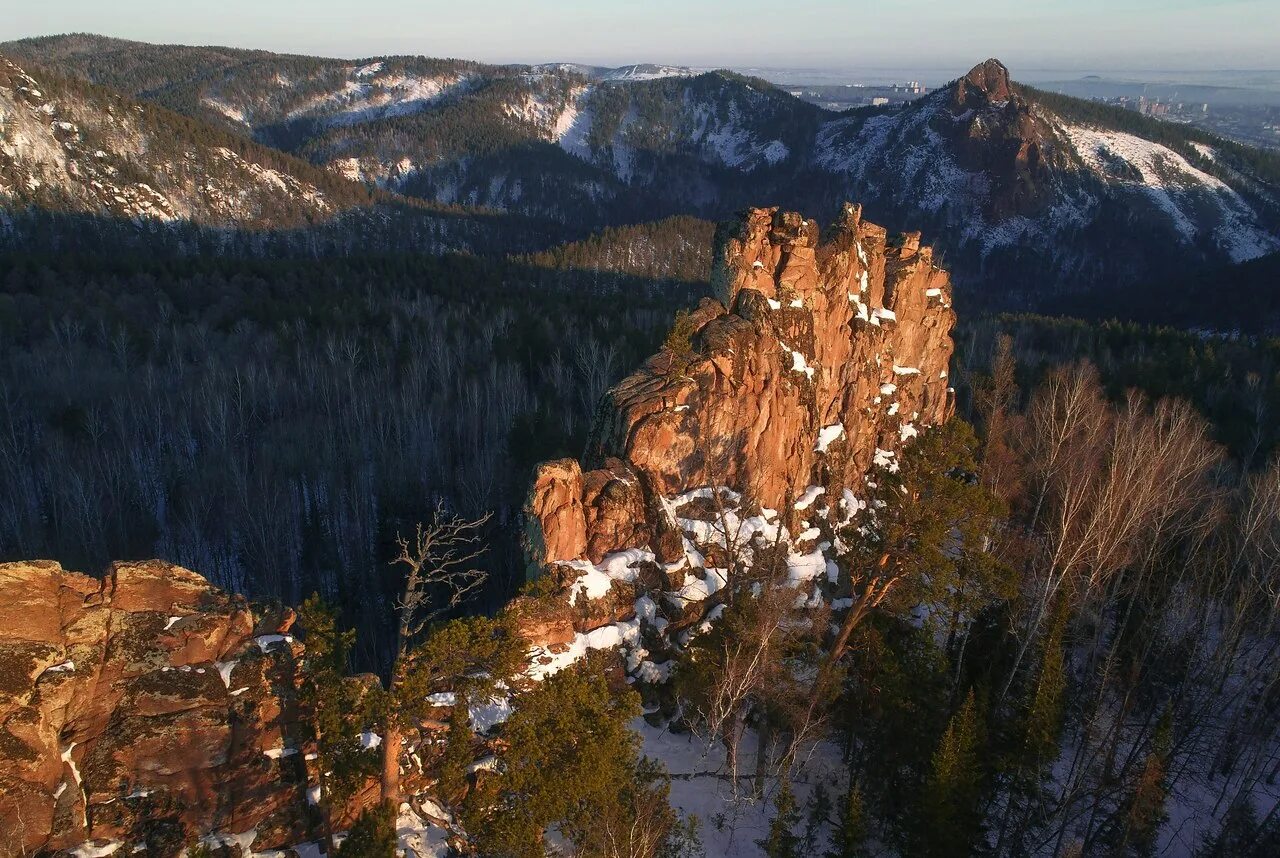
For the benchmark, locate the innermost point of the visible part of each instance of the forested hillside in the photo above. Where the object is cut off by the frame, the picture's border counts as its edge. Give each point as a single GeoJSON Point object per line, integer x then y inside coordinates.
{"type": "Point", "coordinates": [1044, 195]}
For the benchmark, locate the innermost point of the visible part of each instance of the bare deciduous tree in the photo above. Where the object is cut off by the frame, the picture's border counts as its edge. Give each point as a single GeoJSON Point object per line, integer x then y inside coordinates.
{"type": "Point", "coordinates": [440, 574]}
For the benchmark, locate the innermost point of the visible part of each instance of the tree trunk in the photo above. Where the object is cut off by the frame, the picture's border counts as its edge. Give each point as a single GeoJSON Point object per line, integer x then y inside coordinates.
{"type": "Point", "coordinates": [391, 744]}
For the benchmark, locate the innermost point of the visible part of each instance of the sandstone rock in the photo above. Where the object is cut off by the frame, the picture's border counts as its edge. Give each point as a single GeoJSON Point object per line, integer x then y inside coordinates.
{"type": "Point", "coordinates": [137, 708]}
{"type": "Point", "coordinates": [833, 342]}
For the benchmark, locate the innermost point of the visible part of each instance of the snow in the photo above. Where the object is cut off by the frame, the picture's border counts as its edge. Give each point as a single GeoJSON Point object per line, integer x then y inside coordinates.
{"type": "Point", "coordinates": [1177, 188]}
{"type": "Point", "coordinates": [279, 753]}
{"type": "Point", "coordinates": [775, 151]}
{"type": "Point", "coordinates": [905, 370]}
{"type": "Point", "coordinates": [572, 127]}
{"type": "Point", "coordinates": [265, 642]}
{"type": "Point", "coordinates": [370, 740]}
{"type": "Point", "coordinates": [546, 663]}
{"type": "Point", "coordinates": [65, 667]}
{"type": "Point", "coordinates": [169, 624]}
{"type": "Point", "coordinates": [827, 435]}
{"type": "Point", "coordinates": [235, 114]}
{"type": "Point", "coordinates": [419, 838]}
{"type": "Point", "coordinates": [237, 844]}
{"type": "Point", "coordinates": [803, 568]}
{"type": "Point", "coordinates": [594, 582]}
{"type": "Point", "coordinates": [729, 820]}
{"type": "Point", "coordinates": [811, 494]}
{"type": "Point", "coordinates": [487, 714]}
{"type": "Point", "coordinates": [888, 389]}
{"type": "Point", "coordinates": [645, 72]}
{"type": "Point", "coordinates": [798, 362]}
{"type": "Point", "coordinates": [224, 670]}
{"type": "Point", "coordinates": [91, 850]}
{"type": "Point", "coordinates": [1205, 151]}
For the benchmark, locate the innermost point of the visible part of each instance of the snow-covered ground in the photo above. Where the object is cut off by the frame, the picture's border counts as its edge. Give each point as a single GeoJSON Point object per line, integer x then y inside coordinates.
{"type": "Point", "coordinates": [1177, 188]}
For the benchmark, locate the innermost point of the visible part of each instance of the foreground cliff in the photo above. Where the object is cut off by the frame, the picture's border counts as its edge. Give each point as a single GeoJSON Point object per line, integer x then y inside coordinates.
{"type": "Point", "coordinates": [823, 354]}
{"type": "Point", "coordinates": [145, 708]}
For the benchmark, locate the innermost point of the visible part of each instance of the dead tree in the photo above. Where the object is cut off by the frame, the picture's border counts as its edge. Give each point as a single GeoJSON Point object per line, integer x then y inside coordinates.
{"type": "Point", "coordinates": [439, 559]}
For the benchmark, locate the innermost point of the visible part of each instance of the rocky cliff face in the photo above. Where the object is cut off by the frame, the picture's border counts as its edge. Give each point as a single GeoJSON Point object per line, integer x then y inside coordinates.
{"type": "Point", "coordinates": [823, 354]}
{"type": "Point", "coordinates": [146, 708]}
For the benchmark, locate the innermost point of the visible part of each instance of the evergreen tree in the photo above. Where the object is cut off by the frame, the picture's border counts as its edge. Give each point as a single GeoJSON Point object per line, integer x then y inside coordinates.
{"type": "Point", "coordinates": [373, 835]}
{"type": "Point", "coordinates": [457, 753]}
{"type": "Point", "coordinates": [572, 763]}
{"type": "Point", "coordinates": [817, 815]}
{"type": "Point", "coordinates": [782, 841]}
{"type": "Point", "coordinates": [1144, 811]}
{"type": "Point", "coordinates": [339, 709]}
{"type": "Point", "coordinates": [1028, 763]}
{"type": "Point", "coordinates": [950, 820]}
{"type": "Point", "coordinates": [851, 836]}
{"type": "Point", "coordinates": [1243, 835]}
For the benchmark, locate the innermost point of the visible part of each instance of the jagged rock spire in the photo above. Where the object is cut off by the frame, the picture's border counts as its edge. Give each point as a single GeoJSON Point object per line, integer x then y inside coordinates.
{"type": "Point", "coordinates": [991, 78]}
{"type": "Point", "coordinates": [824, 351]}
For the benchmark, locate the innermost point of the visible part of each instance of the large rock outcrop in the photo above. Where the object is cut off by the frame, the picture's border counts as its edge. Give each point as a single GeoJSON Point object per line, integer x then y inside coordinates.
{"type": "Point", "coordinates": [821, 354]}
{"type": "Point", "coordinates": [146, 708]}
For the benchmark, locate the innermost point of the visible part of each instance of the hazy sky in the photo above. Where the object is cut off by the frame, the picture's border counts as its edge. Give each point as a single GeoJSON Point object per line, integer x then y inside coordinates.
{"type": "Point", "coordinates": [1066, 34]}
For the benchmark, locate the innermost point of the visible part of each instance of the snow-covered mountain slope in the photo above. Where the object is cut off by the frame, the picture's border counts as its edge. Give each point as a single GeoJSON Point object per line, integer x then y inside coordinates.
{"type": "Point", "coordinates": [1078, 200]}
{"type": "Point", "coordinates": [68, 147]}
{"type": "Point", "coordinates": [1031, 193]}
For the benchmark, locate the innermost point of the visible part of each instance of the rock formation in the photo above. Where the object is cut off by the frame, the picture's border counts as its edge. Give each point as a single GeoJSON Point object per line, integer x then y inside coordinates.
{"type": "Point", "coordinates": [995, 132]}
{"type": "Point", "coordinates": [821, 354]}
{"type": "Point", "coordinates": [145, 708]}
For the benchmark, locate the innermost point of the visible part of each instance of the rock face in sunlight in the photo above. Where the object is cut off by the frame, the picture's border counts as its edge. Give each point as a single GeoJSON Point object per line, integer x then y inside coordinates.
{"type": "Point", "coordinates": [824, 353]}
{"type": "Point", "coordinates": [146, 707]}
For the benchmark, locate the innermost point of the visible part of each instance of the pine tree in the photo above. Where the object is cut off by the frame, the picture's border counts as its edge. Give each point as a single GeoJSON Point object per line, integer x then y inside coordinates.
{"type": "Point", "coordinates": [1028, 764]}
{"type": "Point", "coordinates": [1044, 715]}
{"type": "Point", "coordinates": [457, 752]}
{"type": "Point", "coordinates": [572, 763]}
{"type": "Point", "coordinates": [951, 822]}
{"type": "Point", "coordinates": [1145, 812]}
{"type": "Point", "coordinates": [851, 836]}
{"type": "Point", "coordinates": [782, 841]}
{"type": "Point", "coordinates": [817, 815]}
{"type": "Point", "coordinates": [339, 709]}
{"type": "Point", "coordinates": [373, 835]}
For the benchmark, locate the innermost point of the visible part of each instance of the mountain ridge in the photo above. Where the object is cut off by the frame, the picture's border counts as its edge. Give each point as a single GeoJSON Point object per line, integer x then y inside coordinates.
{"type": "Point", "coordinates": [1037, 193]}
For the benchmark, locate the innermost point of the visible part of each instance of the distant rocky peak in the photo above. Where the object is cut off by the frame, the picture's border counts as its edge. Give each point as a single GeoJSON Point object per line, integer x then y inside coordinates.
{"type": "Point", "coordinates": [990, 78]}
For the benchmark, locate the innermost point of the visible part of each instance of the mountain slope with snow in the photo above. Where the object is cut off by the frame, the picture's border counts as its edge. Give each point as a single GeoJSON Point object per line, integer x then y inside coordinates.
{"type": "Point", "coordinates": [65, 146]}
{"type": "Point", "coordinates": [1031, 194]}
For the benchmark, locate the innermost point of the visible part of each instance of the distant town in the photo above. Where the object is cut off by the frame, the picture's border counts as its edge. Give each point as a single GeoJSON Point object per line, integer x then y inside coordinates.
{"type": "Point", "coordinates": [846, 96]}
